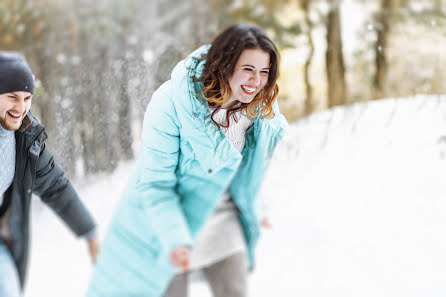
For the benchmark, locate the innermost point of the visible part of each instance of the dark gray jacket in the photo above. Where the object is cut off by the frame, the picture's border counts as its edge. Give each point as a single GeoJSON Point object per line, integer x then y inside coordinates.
{"type": "Point", "coordinates": [36, 172]}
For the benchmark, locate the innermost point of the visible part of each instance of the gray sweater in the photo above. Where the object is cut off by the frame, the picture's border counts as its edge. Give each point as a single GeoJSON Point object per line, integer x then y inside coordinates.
{"type": "Point", "coordinates": [7, 160]}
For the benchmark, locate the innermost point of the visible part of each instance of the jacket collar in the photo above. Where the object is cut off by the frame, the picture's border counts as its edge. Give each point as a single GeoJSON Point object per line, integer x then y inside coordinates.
{"type": "Point", "coordinates": [30, 128]}
{"type": "Point", "coordinates": [26, 123]}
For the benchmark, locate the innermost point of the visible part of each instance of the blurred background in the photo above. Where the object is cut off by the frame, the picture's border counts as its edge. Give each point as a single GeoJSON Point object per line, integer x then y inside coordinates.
{"type": "Point", "coordinates": [98, 62]}
{"type": "Point", "coordinates": [357, 185]}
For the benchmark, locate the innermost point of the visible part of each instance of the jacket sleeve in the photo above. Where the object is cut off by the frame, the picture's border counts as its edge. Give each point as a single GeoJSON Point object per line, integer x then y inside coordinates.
{"type": "Point", "coordinates": [57, 192]}
{"type": "Point", "coordinates": [154, 190]}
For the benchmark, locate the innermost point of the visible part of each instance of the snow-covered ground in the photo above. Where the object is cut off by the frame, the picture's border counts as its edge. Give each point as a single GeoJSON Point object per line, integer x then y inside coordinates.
{"type": "Point", "coordinates": [358, 203]}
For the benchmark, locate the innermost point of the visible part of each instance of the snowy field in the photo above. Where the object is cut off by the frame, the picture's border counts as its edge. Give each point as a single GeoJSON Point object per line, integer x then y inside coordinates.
{"type": "Point", "coordinates": [358, 203]}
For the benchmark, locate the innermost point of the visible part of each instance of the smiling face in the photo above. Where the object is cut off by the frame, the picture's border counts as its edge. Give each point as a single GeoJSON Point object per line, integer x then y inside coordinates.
{"type": "Point", "coordinates": [250, 75]}
{"type": "Point", "coordinates": [13, 109]}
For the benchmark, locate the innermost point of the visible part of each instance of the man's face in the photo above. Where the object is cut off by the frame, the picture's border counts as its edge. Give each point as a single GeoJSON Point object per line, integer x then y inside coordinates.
{"type": "Point", "coordinates": [13, 108]}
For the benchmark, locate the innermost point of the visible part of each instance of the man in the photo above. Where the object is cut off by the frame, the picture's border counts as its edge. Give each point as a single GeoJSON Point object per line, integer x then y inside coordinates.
{"type": "Point", "coordinates": [26, 167]}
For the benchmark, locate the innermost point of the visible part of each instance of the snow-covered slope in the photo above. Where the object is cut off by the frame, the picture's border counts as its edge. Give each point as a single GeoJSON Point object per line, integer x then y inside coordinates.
{"type": "Point", "coordinates": [357, 200]}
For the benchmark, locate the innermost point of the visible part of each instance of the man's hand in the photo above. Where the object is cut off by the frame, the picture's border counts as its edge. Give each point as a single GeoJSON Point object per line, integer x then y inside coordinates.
{"type": "Point", "coordinates": [93, 248]}
{"type": "Point", "coordinates": [180, 257]}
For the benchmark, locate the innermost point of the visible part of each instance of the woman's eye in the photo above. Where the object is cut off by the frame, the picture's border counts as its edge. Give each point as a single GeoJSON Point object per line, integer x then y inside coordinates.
{"type": "Point", "coordinates": [247, 69]}
{"type": "Point", "coordinates": [264, 72]}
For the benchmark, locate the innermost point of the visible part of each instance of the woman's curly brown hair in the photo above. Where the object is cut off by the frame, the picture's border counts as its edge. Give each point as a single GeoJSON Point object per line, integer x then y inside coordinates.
{"type": "Point", "coordinates": [220, 63]}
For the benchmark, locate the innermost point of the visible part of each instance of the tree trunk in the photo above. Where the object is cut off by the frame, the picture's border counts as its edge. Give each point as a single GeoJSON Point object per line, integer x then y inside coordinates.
{"type": "Point", "coordinates": [124, 118]}
{"type": "Point", "coordinates": [337, 90]}
{"type": "Point", "coordinates": [309, 104]}
{"type": "Point", "coordinates": [380, 50]}
{"type": "Point", "coordinates": [42, 69]}
{"type": "Point", "coordinates": [87, 103]}
{"type": "Point", "coordinates": [65, 111]}
{"type": "Point", "coordinates": [104, 125]}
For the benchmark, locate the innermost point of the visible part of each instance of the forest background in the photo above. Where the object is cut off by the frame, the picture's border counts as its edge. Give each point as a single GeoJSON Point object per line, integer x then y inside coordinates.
{"type": "Point", "coordinates": [97, 63]}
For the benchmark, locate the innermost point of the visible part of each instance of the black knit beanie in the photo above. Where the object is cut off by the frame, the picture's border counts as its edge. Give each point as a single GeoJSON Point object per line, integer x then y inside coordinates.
{"type": "Point", "coordinates": [15, 74]}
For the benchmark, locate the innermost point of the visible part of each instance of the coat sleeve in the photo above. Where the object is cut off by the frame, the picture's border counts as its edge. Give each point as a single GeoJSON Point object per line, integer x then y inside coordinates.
{"type": "Point", "coordinates": [155, 185]}
{"type": "Point", "coordinates": [57, 192]}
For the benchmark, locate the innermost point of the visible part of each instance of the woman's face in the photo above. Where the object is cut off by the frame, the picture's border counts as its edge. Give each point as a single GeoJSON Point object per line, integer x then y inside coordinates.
{"type": "Point", "coordinates": [250, 75]}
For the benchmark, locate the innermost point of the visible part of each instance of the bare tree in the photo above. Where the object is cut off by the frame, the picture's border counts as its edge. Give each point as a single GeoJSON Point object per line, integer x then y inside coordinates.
{"type": "Point", "coordinates": [337, 89]}
{"type": "Point", "coordinates": [382, 29]}
{"type": "Point", "coordinates": [122, 80]}
{"type": "Point", "coordinates": [309, 104]}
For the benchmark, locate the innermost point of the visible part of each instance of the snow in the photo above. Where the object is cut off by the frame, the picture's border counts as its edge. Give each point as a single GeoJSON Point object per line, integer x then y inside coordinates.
{"type": "Point", "coordinates": [357, 202]}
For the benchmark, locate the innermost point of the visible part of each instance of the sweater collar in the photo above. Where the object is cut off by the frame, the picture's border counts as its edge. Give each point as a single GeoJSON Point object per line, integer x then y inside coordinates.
{"type": "Point", "coordinates": [4, 132]}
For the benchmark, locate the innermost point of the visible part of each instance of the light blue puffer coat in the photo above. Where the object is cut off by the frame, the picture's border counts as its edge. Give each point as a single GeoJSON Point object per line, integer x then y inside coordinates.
{"type": "Point", "coordinates": [185, 165]}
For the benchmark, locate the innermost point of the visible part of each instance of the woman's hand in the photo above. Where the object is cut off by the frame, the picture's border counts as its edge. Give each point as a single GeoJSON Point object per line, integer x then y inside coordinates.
{"type": "Point", "coordinates": [180, 257]}
{"type": "Point", "coordinates": [266, 223]}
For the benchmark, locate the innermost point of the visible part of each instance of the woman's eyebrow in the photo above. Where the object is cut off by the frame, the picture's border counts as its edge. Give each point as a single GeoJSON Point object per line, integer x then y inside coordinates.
{"type": "Point", "coordinates": [248, 65]}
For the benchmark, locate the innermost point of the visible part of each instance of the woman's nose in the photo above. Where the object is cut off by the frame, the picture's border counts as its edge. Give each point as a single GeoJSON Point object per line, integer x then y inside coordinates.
{"type": "Point", "coordinates": [255, 78]}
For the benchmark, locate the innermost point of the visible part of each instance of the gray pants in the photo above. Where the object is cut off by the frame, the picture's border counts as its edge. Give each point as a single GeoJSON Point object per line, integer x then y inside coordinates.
{"type": "Point", "coordinates": [226, 278]}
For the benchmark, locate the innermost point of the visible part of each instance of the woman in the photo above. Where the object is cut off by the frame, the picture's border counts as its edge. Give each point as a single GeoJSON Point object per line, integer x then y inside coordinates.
{"type": "Point", "coordinates": [190, 204]}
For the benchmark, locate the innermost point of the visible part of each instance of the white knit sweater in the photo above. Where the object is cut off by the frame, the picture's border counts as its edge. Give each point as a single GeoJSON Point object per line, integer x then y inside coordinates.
{"type": "Point", "coordinates": [222, 234]}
